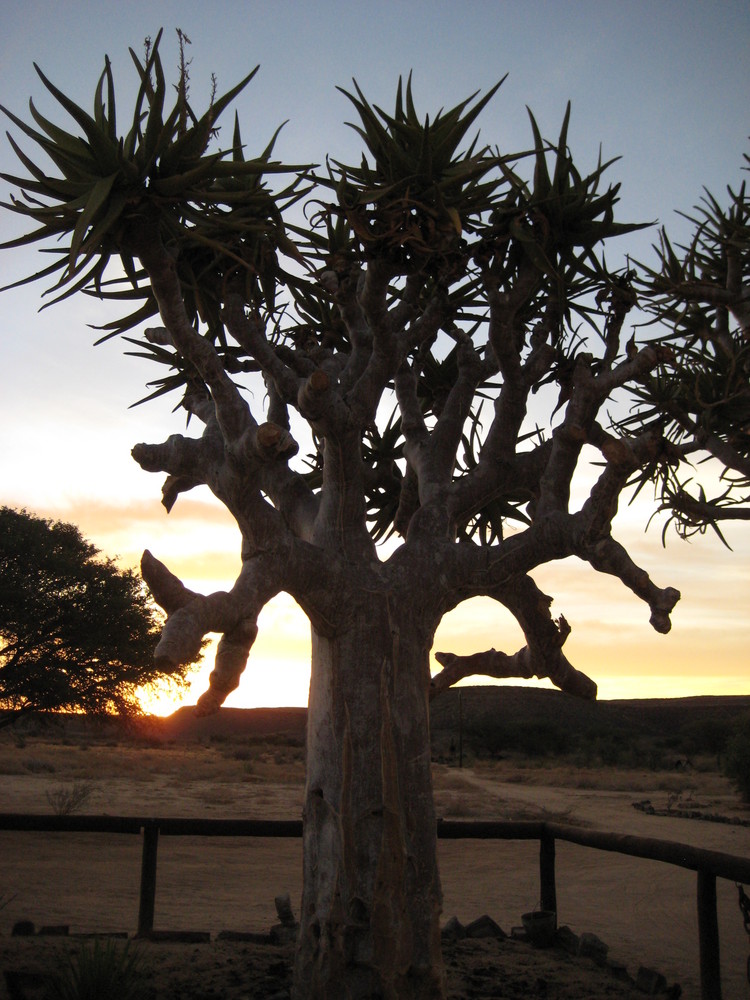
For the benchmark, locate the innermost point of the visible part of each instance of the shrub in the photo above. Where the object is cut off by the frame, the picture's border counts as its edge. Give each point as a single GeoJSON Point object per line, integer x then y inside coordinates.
{"type": "Point", "coordinates": [737, 758]}
{"type": "Point", "coordinates": [707, 736]}
{"type": "Point", "coordinates": [36, 766]}
{"type": "Point", "coordinates": [68, 799]}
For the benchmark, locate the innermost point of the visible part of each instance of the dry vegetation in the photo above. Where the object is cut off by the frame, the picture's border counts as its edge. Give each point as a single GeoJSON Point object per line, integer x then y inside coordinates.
{"type": "Point", "coordinates": [258, 774]}
{"type": "Point", "coordinates": [245, 776]}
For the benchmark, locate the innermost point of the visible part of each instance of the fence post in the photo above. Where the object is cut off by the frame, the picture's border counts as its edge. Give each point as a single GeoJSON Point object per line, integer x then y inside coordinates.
{"type": "Point", "coordinates": [708, 937]}
{"type": "Point", "coordinates": [547, 871]}
{"type": "Point", "coordinates": [148, 877]}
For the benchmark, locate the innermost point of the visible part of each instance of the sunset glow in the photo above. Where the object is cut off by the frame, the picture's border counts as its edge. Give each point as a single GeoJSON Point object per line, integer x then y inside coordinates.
{"type": "Point", "coordinates": [664, 97]}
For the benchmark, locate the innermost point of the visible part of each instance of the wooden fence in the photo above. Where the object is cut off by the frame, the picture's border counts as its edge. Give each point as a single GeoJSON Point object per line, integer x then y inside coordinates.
{"type": "Point", "coordinates": [709, 865]}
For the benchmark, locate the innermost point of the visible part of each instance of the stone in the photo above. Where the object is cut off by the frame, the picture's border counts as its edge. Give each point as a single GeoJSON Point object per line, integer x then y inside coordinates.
{"type": "Point", "coordinates": [619, 971]}
{"type": "Point", "coordinates": [591, 946]}
{"type": "Point", "coordinates": [250, 936]}
{"type": "Point", "coordinates": [485, 927]}
{"type": "Point", "coordinates": [23, 928]}
{"type": "Point", "coordinates": [650, 982]}
{"type": "Point", "coordinates": [567, 939]}
{"type": "Point", "coordinates": [182, 937]}
{"type": "Point", "coordinates": [282, 934]}
{"type": "Point", "coordinates": [453, 930]}
{"type": "Point", "coordinates": [284, 910]}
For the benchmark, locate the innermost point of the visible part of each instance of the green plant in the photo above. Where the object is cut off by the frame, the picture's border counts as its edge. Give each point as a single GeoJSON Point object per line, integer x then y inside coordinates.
{"type": "Point", "coordinates": [103, 970]}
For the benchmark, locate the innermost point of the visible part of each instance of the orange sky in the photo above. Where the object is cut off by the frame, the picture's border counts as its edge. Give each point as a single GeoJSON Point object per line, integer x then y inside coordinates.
{"type": "Point", "coordinates": [705, 653]}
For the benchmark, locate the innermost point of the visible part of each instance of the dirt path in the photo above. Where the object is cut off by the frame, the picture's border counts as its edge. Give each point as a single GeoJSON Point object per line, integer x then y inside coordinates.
{"type": "Point", "coordinates": [644, 910]}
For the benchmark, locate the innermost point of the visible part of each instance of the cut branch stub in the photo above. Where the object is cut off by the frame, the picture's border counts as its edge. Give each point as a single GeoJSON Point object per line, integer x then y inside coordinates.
{"type": "Point", "coordinates": [312, 395]}
{"type": "Point", "coordinates": [168, 591]}
{"type": "Point", "coordinates": [273, 441]}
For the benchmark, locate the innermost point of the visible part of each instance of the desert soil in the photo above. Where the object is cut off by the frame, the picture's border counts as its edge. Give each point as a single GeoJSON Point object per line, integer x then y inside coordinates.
{"type": "Point", "coordinates": [644, 911]}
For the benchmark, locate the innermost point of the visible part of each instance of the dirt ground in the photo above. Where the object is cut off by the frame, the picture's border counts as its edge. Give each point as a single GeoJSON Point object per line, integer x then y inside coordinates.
{"type": "Point", "coordinates": [644, 911]}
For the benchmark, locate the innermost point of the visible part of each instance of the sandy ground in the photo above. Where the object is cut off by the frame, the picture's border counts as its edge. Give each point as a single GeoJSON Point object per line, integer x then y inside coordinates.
{"type": "Point", "coordinates": [645, 911]}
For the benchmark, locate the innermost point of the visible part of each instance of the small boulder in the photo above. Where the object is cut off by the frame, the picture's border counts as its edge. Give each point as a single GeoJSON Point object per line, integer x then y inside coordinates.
{"type": "Point", "coordinates": [591, 946]}
{"type": "Point", "coordinates": [453, 930]}
{"type": "Point", "coordinates": [567, 939]}
{"type": "Point", "coordinates": [284, 910]}
{"type": "Point", "coordinates": [286, 931]}
{"type": "Point", "coordinates": [485, 927]}
{"type": "Point", "coordinates": [650, 982]}
{"type": "Point", "coordinates": [23, 928]}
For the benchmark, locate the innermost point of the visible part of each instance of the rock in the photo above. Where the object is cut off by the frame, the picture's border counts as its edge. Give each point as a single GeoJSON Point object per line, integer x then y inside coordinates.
{"type": "Point", "coordinates": [567, 939]}
{"type": "Point", "coordinates": [182, 937]}
{"type": "Point", "coordinates": [284, 910]}
{"type": "Point", "coordinates": [249, 936]}
{"type": "Point", "coordinates": [23, 928]}
{"type": "Point", "coordinates": [485, 927]}
{"type": "Point", "coordinates": [283, 934]}
{"type": "Point", "coordinates": [619, 971]}
{"type": "Point", "coordinates": [650, 982]}
{"type": "Point", "coordinates": [453, 930]}
{"type": "Point", "coordinates": [590, 946]}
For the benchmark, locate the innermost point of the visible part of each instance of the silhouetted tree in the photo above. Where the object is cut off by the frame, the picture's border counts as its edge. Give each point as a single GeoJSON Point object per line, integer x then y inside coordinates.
{"type": "Point", "coordinates": [402, 333]}
{"type": "Point", "coordinates": [77, 634]}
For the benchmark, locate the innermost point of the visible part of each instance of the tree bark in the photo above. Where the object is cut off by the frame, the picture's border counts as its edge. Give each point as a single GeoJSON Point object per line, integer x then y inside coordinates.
{"type": "Point", "coordinates": [371, 905]}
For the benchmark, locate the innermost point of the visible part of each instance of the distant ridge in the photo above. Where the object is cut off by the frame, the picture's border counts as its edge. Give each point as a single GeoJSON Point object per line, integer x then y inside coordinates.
{"type": "Point", "coordinates": [488, 709]}
{"type": "Point", "coordinates": [484, 708]}
{"type": "Point", "coordinates": [231, 722]}
{"type": "Point", "coordinates": [486, 713]}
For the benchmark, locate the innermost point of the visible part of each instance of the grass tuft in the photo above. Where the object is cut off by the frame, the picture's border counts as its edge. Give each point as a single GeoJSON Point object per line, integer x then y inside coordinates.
{"type": "Point", "coordinates": [103, 970]}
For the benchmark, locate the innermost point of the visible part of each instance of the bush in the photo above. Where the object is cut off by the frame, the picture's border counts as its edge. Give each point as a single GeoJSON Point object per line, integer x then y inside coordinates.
{"type": "Point", "coordinates": [68, 799]}
{"type": "Point", "coordinates": [737, 758]}
{"type": "Point", "coordinates": [104, 970]}
{"type": "Point", "coordinates": [706, 736]}
{"type": "Point", "coordinates": [36, 766]}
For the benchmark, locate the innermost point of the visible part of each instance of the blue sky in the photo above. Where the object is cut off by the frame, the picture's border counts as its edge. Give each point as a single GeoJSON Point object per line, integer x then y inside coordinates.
{"type": "Point", "coordinates": [664, 85]}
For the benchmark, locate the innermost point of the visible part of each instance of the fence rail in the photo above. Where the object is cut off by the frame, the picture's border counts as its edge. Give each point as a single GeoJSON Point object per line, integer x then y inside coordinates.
{"type": "Point", "coordinates": [709, 865]}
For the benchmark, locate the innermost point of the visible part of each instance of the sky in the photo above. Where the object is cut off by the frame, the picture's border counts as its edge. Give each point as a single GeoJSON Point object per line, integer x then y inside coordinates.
{"type": "Point", "coordinates": [664, 85]}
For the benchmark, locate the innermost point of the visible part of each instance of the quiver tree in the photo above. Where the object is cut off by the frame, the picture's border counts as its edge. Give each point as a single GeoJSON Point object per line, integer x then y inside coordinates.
{"type": "Point", "coordinates": [700, 398]}
{"type": "Point", "coordinates": [401, 329]}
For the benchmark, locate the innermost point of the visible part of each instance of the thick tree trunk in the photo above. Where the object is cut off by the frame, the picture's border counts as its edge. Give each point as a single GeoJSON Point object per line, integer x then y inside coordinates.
{"type": "Point", "coordinates": [372, 899]}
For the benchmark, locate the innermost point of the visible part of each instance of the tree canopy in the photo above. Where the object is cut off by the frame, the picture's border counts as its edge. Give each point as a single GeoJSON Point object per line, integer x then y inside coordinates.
{"type": "Point", "coordinates": [77, 634]}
